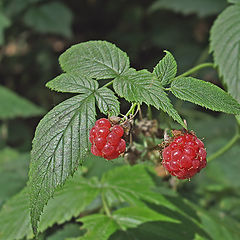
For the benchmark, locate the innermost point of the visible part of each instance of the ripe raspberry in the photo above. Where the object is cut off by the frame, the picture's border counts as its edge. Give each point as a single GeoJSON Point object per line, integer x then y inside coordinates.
{"type": "Point", "coordinates": [185, 156]}
{"type": "Point", "coordinates": [106, 140]}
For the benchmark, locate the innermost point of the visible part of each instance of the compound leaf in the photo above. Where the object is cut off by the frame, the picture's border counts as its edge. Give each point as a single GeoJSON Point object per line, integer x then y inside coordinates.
{"type": "Point", "coordinates": [72, 83]}
{"type": "Point", "coordinates": [60, 143]}
{"type": "Point", "coordinates": [122, 219]}
{"type": "Point", "coordinates": [96, 59]}
{"type": "Point", "coordinates": [142, 86]}
{"type": "Point", "coordinates": [118, 187]}
{"type": "Point", "coordinates": [107, 101]}
{"type": "Point", "coordinates": [225, 45]}
{"type": "Point", "coordinates": [13, 106]}
{"type": "Point", "coordinates": [204, 94]}
{"type": "Point", "coordinates": [166, 69]}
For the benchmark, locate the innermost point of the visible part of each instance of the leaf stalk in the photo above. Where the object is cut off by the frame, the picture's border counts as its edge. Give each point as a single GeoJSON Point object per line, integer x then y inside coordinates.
{"type": "Point", "coordinates": [105, 205]}
{"type": "Point", "coordinates": [225, 148]}
{"type": "Point", "coordinates": [196, 69]}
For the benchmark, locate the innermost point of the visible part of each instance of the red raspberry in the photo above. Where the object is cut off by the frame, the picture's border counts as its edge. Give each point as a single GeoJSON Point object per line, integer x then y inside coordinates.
{"type": "Point", "coordinates": [113, 139]}
{"type": "Point", "coordinates": [118, 130]}
{"type": "Point", "coordinates": [185, 156]}
{"type": "Point", "coordinates": [103, 122]}
{"type": "Point", "coordinates": [106, 140]}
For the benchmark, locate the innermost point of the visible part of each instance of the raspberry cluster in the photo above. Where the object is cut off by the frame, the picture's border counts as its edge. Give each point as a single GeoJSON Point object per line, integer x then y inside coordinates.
{"type": "Point", "coordinates": [106, 139]}
{"type": "Point", "coordinates": [185, 156]}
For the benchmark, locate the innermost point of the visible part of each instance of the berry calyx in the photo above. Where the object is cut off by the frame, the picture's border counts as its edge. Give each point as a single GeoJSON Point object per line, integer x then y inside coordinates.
{"type": "Point", "coordinates": [106, 139]}
{"type": "Point", "coordinates": [184, 156]}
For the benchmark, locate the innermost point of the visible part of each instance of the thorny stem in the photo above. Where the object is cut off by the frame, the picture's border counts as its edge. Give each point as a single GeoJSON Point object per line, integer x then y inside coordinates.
{"type": "Point", "coordinates": [105, 205]}
{"type": "Point", "coordinates": [196, 68]}
{"type": "Point", "coordinates": [225, 148]}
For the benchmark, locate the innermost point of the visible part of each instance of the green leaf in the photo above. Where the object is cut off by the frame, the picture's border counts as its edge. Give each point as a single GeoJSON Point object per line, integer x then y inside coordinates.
{"type": "Point", "coordinates": [96, 59]}
{"type": "Point", "coordinates": [77, 193]}
{"type": "Point", "coordinates": [68, 202]}
{"type": "Point", "coordinates": [4, 23]}
{"type": "Point", "coordinates": [13, 106]}
{"type": "Point", "coordinates": [166, 69]}
{"type": "Point", "coordinates": [52, 17]}
{"type": "Point", "coordinates": [72, 83]}
{"type": "Point", "coordinates": [204, 94]}
{"type": "Point", "coordinates": [98, 227]}
{"type": "Point", "coordinates": [141, 86]}
{"type": "Point", "coordinates": [131, 217]}
{"type": "Point", "coordinates": [102, 227]}
{"type": "Point", "coordinates": [13, 172]}
{"type": "Point", "coordinates": [225, 45]}
{"type": "Point", "coordinates": [60, 143]}
{"type": "Point", "coordinates": [234, 1]}
{"type": "Point", "coordinates": [15, 7]}
{"type": "Point", "coordinates": [202, 8]}
{"type": "Point", "coordinates": [118, 187]}
{"type": "Point", "coordinates": [15, 218]}
{"type": "Point", "coordinates": [217, 225]}
{"type": "Point", "coordinates": [107, 102]}
{"type": "Point", "coordinates": [68, 230]}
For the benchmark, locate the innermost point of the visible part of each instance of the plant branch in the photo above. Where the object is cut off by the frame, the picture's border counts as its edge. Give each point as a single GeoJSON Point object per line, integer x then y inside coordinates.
{"type": "Point", "coordinates": [105, 205]}
{"type": "Point", "coordinates": [131, 110]}
{"type": "Point", "coordinates": [224, 148]}
{"type": "Point", "coordinates": [108, 84]}
{"type": "Point", "coordinates": [196, 68]}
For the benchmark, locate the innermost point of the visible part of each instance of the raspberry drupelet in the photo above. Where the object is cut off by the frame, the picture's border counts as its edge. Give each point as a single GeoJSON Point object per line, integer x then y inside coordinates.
{"type": "Point", "coordinates": [107, 140]}
{"type": "Point", "coordinates": [184, 156]}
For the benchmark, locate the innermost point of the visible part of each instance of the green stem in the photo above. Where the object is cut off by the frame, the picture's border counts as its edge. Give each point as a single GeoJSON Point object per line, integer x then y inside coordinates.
{"type": "Point", "coordinates": [131, 110]}
{"type": "Point", "coordinates": [108, 84]}
{"type": "Point", "coordinates": [196, 68]}
{"type": "Point", "coordinates": [105, 205]}
{"type": "Point", "coordinates": [225, 148]}
{"type": "Point", "coordinates": [4, 130]}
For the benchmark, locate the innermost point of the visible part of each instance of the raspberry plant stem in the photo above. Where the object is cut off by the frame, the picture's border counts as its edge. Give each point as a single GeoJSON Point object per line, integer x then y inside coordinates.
{"type": "Point", "coordinates": [225, 148]}
{"type": "Point", "coordinates": [108, 84]}
{"type": "Point", "coordinates": [131, 110]}
{"type": "Point", "coordinates": [4, 130]}
{"type": "Point", "coordinates": [105, 205]}
{"type": "Point", "coordinates": [196, 68]}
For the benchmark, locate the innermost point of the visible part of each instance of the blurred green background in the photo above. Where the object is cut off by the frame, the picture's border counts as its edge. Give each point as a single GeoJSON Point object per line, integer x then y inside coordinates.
{"type": "Point", "coordinates": [33, 33]}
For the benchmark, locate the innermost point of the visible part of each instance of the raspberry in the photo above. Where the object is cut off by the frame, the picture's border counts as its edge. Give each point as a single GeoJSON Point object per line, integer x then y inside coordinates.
{"type": "Point", "coordinates": [184, 156]}
{"type": "Point", "coordinates": [106, 140]}
{"type": "Point", "coordinates": [118, 130]}
{"type": "Point", "coordinates": [113, 139]}
{"type": "Point", "coordinates": [103, 122]}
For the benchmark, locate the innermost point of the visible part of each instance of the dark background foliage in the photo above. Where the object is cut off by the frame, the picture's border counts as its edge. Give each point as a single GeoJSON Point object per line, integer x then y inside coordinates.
{"type": "Point", "coordinates": [33, 33]}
